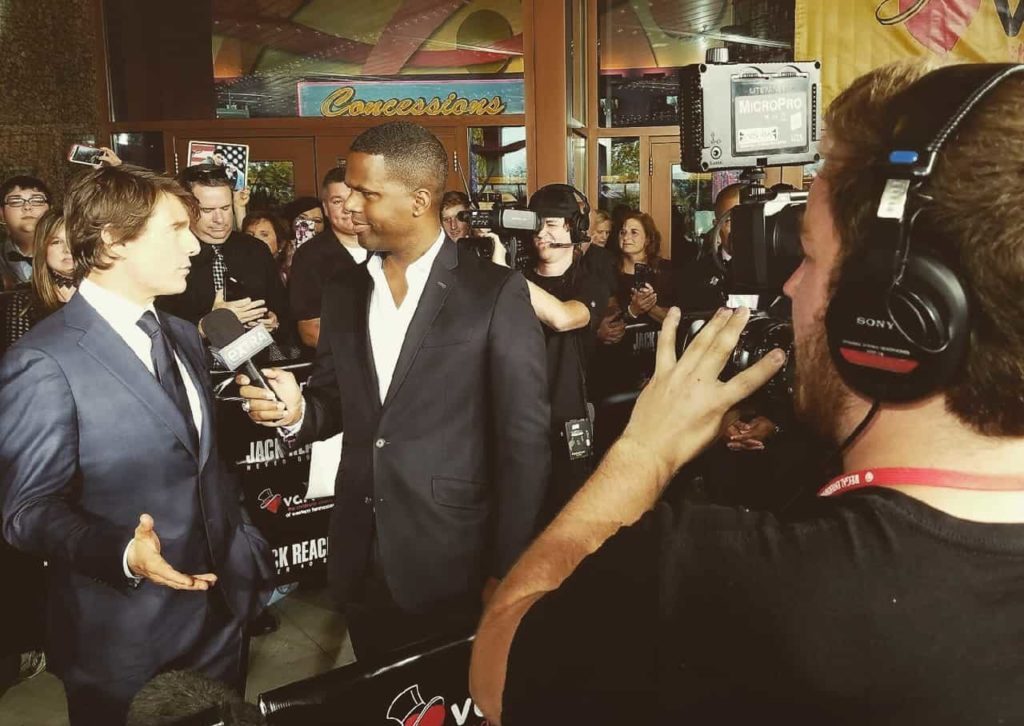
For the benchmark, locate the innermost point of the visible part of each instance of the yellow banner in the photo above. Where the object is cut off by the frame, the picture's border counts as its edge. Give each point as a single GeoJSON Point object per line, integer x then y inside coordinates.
{"type": "Point", "coordinates": [850, 37]}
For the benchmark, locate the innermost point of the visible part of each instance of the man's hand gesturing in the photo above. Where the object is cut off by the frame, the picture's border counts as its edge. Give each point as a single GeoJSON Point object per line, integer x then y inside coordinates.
{"type": "Point", "coordinates": [144, 560]}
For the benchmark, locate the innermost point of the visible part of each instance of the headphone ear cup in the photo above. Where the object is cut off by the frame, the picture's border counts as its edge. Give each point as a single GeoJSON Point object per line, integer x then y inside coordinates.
{"type": "Point", "coordinates": [906, 343]}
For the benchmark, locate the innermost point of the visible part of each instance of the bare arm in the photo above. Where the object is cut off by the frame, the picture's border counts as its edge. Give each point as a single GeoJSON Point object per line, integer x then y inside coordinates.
{"type": "Point", "coordinates": [557, 315]}
{"type": "Point", "coordinates": [679, 413]}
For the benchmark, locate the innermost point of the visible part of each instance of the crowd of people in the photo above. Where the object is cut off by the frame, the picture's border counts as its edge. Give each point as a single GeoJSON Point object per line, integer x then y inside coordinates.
{"type": "Point", "coordinates": [526, 452]}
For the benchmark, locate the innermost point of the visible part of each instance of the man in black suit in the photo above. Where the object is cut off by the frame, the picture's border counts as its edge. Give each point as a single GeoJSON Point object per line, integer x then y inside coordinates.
{"type": "Point", "coordinates": [108, 428]}
{"type": "Point", "coordinates": [432, 362]}
{"type": "Point", "coordinates": [232, 269]}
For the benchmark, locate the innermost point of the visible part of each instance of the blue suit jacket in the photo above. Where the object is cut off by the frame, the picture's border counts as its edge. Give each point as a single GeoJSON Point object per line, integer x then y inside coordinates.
{"type": "Point", "coordinates": [91, 441]}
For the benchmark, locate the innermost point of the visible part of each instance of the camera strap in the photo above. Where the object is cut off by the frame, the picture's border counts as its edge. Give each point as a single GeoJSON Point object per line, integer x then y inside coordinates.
{"type": "Point", "coordinates": [938, 478]}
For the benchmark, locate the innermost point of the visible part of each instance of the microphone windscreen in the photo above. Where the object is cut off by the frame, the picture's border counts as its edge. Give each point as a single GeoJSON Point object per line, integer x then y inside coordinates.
{"type": "Point", "coordinates": [222, 327]}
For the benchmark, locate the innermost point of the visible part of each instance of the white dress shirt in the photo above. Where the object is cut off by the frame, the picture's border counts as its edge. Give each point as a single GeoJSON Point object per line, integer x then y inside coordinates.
{"type": "Point", "coordinates": [389, 322]}
{"type": "Point", "coordinates": [123, 316]}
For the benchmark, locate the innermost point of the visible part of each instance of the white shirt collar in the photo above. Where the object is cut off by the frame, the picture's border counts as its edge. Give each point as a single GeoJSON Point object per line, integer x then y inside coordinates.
{"type": "Point", "coordinates": [119, 311]}
{"type": "Point", "coordinates": [419, 268]}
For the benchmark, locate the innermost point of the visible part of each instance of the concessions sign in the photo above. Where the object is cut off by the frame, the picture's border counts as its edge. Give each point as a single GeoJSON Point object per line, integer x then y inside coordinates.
{"type": "Point", "coordinates": [274, 483]}
{"type": "Point", "coordinates": [386, 99]}
{"type": "Point", "coordinates": [854, 36]}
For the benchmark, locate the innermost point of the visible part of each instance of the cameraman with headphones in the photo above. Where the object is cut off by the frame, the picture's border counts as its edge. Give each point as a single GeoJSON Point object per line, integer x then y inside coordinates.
{"type": "Point", "coordinates": [897, 595]}
{"type": "Point", "coordinates": [568, 300]}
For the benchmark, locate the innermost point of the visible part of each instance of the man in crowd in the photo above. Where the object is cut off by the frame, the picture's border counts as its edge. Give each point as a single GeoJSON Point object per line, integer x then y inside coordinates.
{"type": "Point", "coordinates": [109, 467]}
{"type": "Point", "coordinates": [232, 270]}
{"type": "Point", "coordinates": [321, 258]}
{"type": "Point", "coordinates": [432, 363]}
{"type": "Point", "coordinates": [898, 599]}
{"type": "Point", "coordinates": [451, 204]}
{"type": "Point", "coordinates": [24, 200]}
{"type": "Point", "coordinates": [567, 300]}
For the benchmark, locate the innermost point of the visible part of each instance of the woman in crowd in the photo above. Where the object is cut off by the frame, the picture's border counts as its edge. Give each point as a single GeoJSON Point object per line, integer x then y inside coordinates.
{"type": "Point", "coordinates": [53, 283]}
{"type": "Point", "coordinates": [53, 280]}
{"type": "Point", "coordinates": [272, 231]}
{"type": "Point", "coordinates": [628, 334]}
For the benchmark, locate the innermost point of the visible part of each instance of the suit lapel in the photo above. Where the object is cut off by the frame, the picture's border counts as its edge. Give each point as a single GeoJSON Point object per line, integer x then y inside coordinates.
{"type": "Point", "coordinates": [439, 284]}
{"type": "Point", "coordinates": [194, 364]}
{"type": "Point", "coordinates": [103, 343]}
{"type": "Point", "coordinates": [362, 306]}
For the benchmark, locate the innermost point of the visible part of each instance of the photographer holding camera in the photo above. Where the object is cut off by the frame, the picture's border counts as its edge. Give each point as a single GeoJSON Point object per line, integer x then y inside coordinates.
{"type": "Point", "coordinates": [568, 300]}
{"type": "Point", "coordinates": [897, 596]}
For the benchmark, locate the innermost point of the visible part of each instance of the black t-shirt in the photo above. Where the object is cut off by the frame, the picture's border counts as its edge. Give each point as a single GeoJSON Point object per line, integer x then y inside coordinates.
{"type": "Point", "coordinates": [602, 264]}
{"type": "Point", "coordinates": [568, 352]}
{"type": "Point", "coordinates": [314, 263]}
{"type": "Point", "coordinates": [703, 285]}
{"type": "Point", "coordinates": [868, 608]}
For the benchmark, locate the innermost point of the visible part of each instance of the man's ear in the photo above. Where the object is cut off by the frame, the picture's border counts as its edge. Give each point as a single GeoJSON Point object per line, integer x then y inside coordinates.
{"type": "Point", "coordinates": [109, 243]}
{"type": "Point", "coordinates": [421, 201]}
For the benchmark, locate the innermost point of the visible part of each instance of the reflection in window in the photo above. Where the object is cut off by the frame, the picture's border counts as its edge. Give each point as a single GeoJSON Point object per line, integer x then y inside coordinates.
{"type": "Point", "coordinates": [271, 184]}
{"type": "Point", "coordinates": [693, 207]}
{"type": "Point", "coordinates": [286, 58]}
{"type": "Point", "coordinates": [145, 149]}
{"type": "Point", "coordinates": [497, 162]}
{"type": "Point", "coordinates": [619, 173]}
{"type": "Point", "coordinates": [643, 43]}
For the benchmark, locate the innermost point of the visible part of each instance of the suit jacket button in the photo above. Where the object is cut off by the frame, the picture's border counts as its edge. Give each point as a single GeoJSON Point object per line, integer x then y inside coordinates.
{"type": "Point", "coordinates": [380, 443]}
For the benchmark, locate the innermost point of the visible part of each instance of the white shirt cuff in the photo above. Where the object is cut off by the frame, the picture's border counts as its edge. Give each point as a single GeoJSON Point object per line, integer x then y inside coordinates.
{"type": "Point", "coordinates": [124, 563]}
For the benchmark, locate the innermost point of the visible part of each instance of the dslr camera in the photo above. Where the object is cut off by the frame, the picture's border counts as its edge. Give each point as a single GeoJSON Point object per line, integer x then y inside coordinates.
{"type": "Point", "coordinates": [749, 116]}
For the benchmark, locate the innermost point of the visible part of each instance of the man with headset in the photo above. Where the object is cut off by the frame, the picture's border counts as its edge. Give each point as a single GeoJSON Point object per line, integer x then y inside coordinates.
{"type": "Point", "coordinates": [568, 301]}
{"type": "Point", "coordinates": [897, 596]}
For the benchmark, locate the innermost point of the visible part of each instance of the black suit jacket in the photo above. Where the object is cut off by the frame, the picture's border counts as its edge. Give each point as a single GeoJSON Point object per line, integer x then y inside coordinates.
{"type": "Point", "coordinates": [90, 442]}
{"type": "Point", "coordinates": [249, 262]}
{"type": "Point", "coordinates": [453, 467]}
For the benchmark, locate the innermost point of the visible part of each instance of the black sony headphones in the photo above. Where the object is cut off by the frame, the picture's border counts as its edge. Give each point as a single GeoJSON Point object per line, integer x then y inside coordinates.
{"type": "Point", "coordinates": [899, 322]}
{"type": "Point", "coordinates": [579, 224]}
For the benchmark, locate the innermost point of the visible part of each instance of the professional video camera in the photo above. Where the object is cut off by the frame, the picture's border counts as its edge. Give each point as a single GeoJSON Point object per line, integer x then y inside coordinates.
{"type": "Point", "coordinates": [749, 116]}
{"type": "Point", "coordinates": [507, 222]}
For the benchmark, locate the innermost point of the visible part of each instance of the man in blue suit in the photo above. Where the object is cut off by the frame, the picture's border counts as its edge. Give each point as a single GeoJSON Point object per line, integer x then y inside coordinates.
{"type": "Point", "coordinates": [109, 468]}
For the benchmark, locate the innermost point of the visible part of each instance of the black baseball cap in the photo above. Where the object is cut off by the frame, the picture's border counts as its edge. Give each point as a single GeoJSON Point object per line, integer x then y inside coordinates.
{"type": "Point", "coordinates": [554, 200]}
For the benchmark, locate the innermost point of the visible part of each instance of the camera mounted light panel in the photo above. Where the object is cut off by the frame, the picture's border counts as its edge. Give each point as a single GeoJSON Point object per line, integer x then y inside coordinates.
{"type": "Point", "coordinates": [741, 116]}
{"type": "Point", "coordinates": [898, 324]}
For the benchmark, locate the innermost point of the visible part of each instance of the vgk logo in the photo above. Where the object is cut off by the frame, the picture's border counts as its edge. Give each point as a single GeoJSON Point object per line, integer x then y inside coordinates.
{"type": "Point", "coordinates": [409, 709]}
{"type": "Point", "coordinates": [269, 501]}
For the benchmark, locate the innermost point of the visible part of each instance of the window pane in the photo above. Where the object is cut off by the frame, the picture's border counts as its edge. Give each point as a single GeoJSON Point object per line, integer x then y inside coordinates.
{"type": "Point", "coordinates": [144, 149]}
{"type": "Point", "coordinates": [619, 173]}
{"type": "Point", "coordinates": [643, 44]}
{"type": "Point", "coordinates": [271, 184]}
{"type": "Point", "coordinates": [497, 161]}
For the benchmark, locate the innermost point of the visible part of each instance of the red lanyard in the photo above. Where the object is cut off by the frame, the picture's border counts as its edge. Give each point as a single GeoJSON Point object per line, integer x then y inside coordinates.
{"type": "Point", "coordinates": [942, 478]}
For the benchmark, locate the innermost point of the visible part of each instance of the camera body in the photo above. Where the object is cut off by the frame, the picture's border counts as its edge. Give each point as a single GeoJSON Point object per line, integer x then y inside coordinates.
{"type": "Point", "coordinates": [762, 334]}
{"type": "Point", "coordinates": [748, 116]}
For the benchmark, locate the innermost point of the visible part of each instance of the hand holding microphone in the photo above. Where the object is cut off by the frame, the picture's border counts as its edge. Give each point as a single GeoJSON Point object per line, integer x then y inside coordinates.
{"type": "Point", "coordinates": [235, 347]}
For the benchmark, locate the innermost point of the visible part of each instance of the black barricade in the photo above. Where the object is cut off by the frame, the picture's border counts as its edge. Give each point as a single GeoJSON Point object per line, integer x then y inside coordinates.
{"type": "Point", "coordinates": [428, 687]}
{"type": "Point", "coordinates": [274, 481]}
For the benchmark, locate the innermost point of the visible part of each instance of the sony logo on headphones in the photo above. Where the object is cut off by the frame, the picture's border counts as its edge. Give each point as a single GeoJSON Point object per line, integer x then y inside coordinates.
{"type": "Point", "coordinates": [873, 323]}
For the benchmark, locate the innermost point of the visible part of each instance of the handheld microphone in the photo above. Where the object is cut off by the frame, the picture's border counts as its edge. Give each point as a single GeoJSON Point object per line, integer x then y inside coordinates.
{"type": "Point", "coordinates": [234, 346]}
